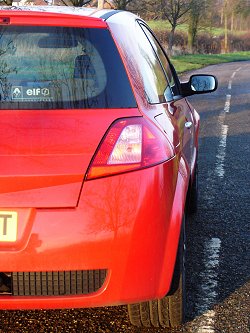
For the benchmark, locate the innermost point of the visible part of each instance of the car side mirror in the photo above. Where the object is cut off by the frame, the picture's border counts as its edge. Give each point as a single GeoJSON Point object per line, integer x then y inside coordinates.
{"type": "Point", "coordinates": [199, 84]}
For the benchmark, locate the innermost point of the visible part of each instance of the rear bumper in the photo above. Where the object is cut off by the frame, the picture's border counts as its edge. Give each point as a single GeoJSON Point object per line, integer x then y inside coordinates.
{"type": "Point", "coordinates": [127, 224]}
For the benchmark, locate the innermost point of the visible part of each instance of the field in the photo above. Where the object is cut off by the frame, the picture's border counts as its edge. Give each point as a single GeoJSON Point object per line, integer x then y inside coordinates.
{"type": "Point", "coordinates": [188, 62]}
{"type": "Point", "coordinates": [165, 25]}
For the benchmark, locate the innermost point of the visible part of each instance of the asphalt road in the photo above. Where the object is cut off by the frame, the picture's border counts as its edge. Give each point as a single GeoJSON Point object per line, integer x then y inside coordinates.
{"type": "Point", "coordinates": [218, 236]}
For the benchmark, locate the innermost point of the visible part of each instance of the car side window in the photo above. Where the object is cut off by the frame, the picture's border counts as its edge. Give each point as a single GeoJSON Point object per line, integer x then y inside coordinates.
{"type": "Point", "coordinates": [163, 59]}
{"type": "Point", "coordinates": [155, 81]}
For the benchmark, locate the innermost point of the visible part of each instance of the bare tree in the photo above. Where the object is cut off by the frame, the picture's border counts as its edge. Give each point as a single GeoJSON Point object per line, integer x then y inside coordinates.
{"type": "Point", "coordinates": [121, 4]}
{"type": "Point", "coordinates": [174, 11]}
{"type": "Point", "coordinates": [242, 12]}
{"type": "Point", "coordinates": [194, 18]}
{"type": "Point", "coordinates": [226, 15]}
{"type": "Point", "coordinates": [198, 14]}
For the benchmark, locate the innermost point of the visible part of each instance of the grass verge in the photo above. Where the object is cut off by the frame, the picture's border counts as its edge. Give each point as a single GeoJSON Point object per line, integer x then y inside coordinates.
{"type": "Point", "coordinates": [189, 62]}
{"type": "Point", "coordinates": [165, 25]}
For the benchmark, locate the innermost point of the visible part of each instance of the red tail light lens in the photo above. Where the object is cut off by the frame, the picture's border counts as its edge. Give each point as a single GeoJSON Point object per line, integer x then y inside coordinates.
{"type": "Point", "coordinates": [130, 144]}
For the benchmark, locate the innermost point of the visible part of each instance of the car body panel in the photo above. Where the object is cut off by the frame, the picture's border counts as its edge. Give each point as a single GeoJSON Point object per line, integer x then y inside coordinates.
{"type": "Point", "coordinates": [46, 154]}
{"type": "Point", "coordinates": [128, 223]}
{"type": "Point", "coordinates": [125, 246]}
{"type": "Point", "coordinates": [172, 116]}
{"type": "Point", "coordinates": [44, 18]}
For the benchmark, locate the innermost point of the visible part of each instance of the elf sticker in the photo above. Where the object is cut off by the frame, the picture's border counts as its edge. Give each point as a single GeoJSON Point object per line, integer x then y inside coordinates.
{"type": "Point", "coordinates": [36, 94]}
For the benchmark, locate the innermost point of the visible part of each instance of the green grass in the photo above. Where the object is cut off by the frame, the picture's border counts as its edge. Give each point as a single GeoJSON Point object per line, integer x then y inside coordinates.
{"type": "Point", "coordinates": [165, 25]}
{"type": "Point", "coordinates": [189, 62]}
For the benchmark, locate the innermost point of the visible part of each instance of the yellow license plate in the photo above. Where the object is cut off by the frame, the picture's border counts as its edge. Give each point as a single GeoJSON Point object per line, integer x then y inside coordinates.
{"type": "Point", "coordinates": [8, 226]}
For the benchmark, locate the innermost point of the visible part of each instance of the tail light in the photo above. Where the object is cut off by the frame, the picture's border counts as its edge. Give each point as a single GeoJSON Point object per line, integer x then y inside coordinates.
{"type": "Point", "coordinates": [129, 144]}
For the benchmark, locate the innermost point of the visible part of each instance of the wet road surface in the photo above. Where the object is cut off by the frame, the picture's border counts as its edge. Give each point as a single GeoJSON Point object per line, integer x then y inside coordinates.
{"type": "Point", "coordinates": [218, 251]}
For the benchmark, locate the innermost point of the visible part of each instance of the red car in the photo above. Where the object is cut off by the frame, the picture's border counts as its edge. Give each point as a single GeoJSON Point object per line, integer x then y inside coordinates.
{"type": "Point", "coordinates": [98, 151]}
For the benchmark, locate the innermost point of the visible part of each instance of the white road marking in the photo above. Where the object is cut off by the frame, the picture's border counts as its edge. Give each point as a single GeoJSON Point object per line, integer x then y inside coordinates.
{"type": "Point", "coordinates": [228, 103]}
{"type": "Point", "coordinates": [209, 284]}
{"type": "Point", "coordinates": [220, 157]}
{"type": "Point", "coordinates": [233, 75]}
{"type": "Point", "coordinates": [221, 152]}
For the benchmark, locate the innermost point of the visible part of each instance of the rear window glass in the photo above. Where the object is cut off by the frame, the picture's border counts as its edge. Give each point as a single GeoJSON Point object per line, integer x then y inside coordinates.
{"type": "Point", "coordinates": [57, 67]}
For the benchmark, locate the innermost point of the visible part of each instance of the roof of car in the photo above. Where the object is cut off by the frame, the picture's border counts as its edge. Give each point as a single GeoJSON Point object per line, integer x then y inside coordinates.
{"type": "Point", "coordinates": [82, 11]}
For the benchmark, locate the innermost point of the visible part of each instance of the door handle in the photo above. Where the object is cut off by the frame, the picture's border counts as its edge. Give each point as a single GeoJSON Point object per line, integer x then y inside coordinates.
{"type": "Point", "coordinates": [188, 124]}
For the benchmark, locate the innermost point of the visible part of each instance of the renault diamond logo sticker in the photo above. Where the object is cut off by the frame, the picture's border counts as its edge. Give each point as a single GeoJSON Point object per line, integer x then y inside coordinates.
{"type": "Point", "coordinates": [17, 92]}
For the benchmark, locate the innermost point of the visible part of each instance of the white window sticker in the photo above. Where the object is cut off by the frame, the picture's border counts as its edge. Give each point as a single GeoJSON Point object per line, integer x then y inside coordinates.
{"type": "Point", "coordinates": [27, 93]}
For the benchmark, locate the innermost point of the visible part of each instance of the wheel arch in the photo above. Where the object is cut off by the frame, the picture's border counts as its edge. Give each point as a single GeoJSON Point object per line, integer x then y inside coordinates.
{"type": "Point", "coordinates": [175, 227]}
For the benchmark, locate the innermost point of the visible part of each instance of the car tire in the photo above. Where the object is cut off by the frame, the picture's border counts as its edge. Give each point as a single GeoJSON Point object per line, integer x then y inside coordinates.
{"type": "Point", "coordinates": [193, 195]}
{"type": "Point", "coordinates": [169, 311]}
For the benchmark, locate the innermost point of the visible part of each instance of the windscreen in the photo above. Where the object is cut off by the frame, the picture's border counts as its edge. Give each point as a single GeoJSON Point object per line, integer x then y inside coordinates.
{"type": "Point", "coordinates": [61, 68]}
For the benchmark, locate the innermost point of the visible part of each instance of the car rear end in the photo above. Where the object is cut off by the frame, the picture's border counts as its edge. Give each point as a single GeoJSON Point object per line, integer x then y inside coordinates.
{"type": "Point", "coordinates": [84, 212]}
